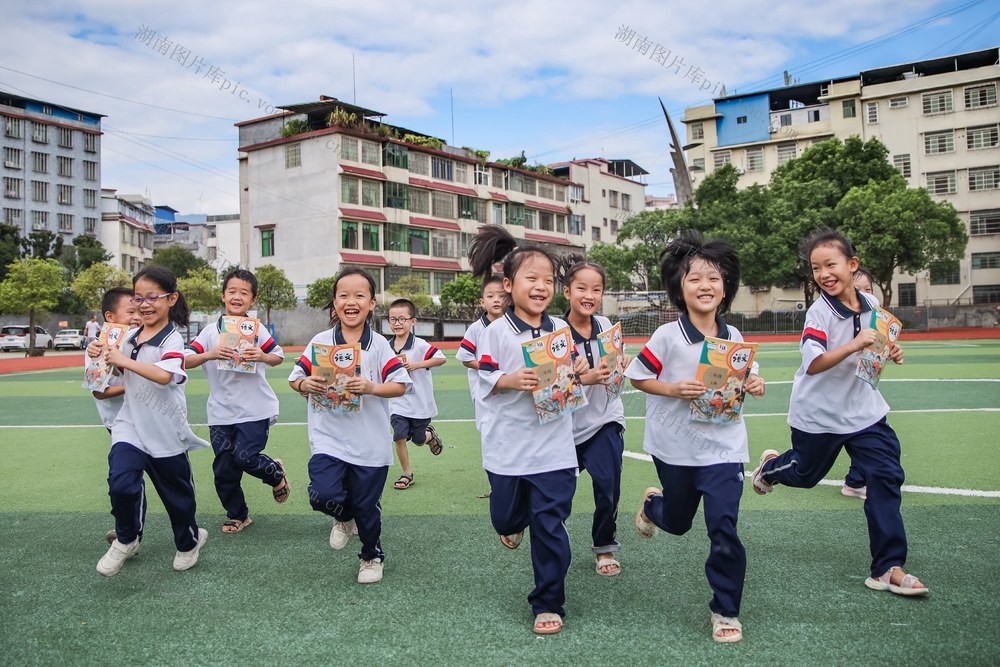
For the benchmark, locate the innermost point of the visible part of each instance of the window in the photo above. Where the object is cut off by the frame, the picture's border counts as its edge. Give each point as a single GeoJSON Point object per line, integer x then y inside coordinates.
{"type": "Point", "coordinates": [64, 166]}
{"type": "Point", "coordinates": [721, 158]}
{"type": "Point", "coordinates": [786, 152]}
{"type": "Point", "coordinates": [461, 172]}
{"type": "Point", "coordinates": [90, 170]}
{"type": "Point", "coordinates": [425, 279]}
{"type": "Point", "coordinates": [442, 168]}
{"type": "Point", "coordinates": [13, 188]}
{"type": "Point", "coordinates": [13, 216]}
{"type": "Point", "coordinates": [468, 207]}
{"type": "Point", "coordinates": [349, 187]}
{"type": "Point", "coordinates": [981, 137]}
{"type": "Point", "coordinates": [442, 278]}
{"type": "Point", "coordinates": [898, 102]}
{"type": "Point", "coordinates": [65, 137]}
{"type": "Point", "coordinates": [420, 163]}
{"type": "Point", "coordinates": [741, 120]}
{"type": "Point", "coordinates": [267, 243]}
{"type": "Point", "coordinates": [443, 205]}
{"type": "Point", "coordinates": [595, 233]}
{"type": "Point", "coordinates": [39, 220]}
{"type": "Point", "coordinates": [848, 108]}
{"type": "Point", "coordinates": [812, 115]}
{"type": "Point", "coordinates": [90, 142]}
{"type": "Point", "coordinates": [984, 178]}
{"type": "Point", "coordinates": [90, 226]}
{"type": "Point", "coordinates": [39, 191]}
{"type": "Point", "coordinates": [576, 193]}
{"type": "Point", "coordinates": [13, 127]}
{"type": "Point", "coordinates": [464, 241]}
{"type": "Point", "coordinates": [515, 181]}
{"type": "Point", "coordinates": [545, 190]}
{"type": "Point", "coordinates": [576, 224]}
{"type": "Point", "coordinates": [907, 295]}
{"type": "Point", "coordinates": [939, 142]}
{"type": "Point", "coordinates": [530, 219]}
{"type": "Point", "coordinates": [348, 234]}
{"type": "Point", "coordinates": [945, 273]}
{"type": "Point", "coordinates": [13, 158]}
{"type": "Point", "coordinates": [613, 198]}
{"type": "Point", "coordinates": [482, 175]}
{"type": "Point", "coordinates": [941, 183]}
{"type": "Point", "coordinates": [40, 133]}
{"type": "Point", "coordinates": [937, 102]}
{"type": "Point", "coordinates": [497, 214]}
{"type": "Point", "coordinates": [395, 155]}
{"type": "Point", "coordinates": [529, 186]}
{"type": "Point", "coordinates": [420, 201]}
{"type": "Point", "coordinates": [545, 221]}
{"type": "Point", "coordinates": [626, 202]}
{"type": "Point", "coordinates": [500, 179]}
{"type": "Point", "coordinates": [698, 164]}
{"type": "Point", "coordinates": [697, 131]}
{"type": "Point", "coordinates": [293, 155]}
{"type": "Point", "coordinates": [614, 227]}
{"type": "Point", "coordinates": [984, 222]}
{"type": "Point", "coordinates": [90, 198]}
{"type": "Point", "coordinates": [902, 164]}
{"type": "Point", "coordinates": [395, 238]}
{"type": "Point", "coordinates": [986, 260]}
{"type": "Point", "coordinates": [755, 159]}
{"type": "Point", "coordinates": [871, 112]}
{"type": "Point", "coordinates": [65, 221]}
{"type": "Point", "coordinates": [445, 244]}
{"type": "Point", "coordinates": [977, 97]}
{"type": "Point", "coordinates": [65, 194]}
{"type": "Point", "coordinates": [785, 119]}
{"type": "Point", "coordinates": [349, 149]}
{"type": "Point", "coordinates": [371, 153]}
{"type": "Point", "coordinates": [986, 294]}
{"type": "Point", "coordinates": [369, 236]}
{"type": "Point", "coordinates": [371, 195]}
{"type": "Point", "coordinates": [395, 195]}
{"type": "Point", "coordinates": [40, 162]}
{"type": "Point", "coordinates": [420, 241]}
{"type": "Point", "coordinates": [515, 214]}
{"type": "Point", "coordinates": [482, 207]}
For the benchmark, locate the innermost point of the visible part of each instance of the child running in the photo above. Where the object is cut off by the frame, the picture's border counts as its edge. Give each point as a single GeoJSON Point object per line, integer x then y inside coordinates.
{"type": "Point", "coordinates": [531, 466]}
{"type": "Point", "coordinates": [151, 433]}
{"type": "Point", "coordinates": [830, 409]}
{"type": "Point", "coordinates": [412, 412]}
{"type": "Point", "coordinates": [598, 427]}
{"type": "Point", "coordinates": [352, 450]}
{"type": "Point", "coordinates": [854, 481]}
{"type": "Point", "coordinates": [696, 460]}
{"type": "Point", "coordinates": [493, 301]}
{"type": "Point", "coordinates": [241, 406]}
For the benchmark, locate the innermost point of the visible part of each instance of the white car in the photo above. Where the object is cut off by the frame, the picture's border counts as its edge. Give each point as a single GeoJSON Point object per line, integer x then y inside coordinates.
{"type": "Point", "coordinates": [70, 338]}
{"type": "Point", "coordinates": [15, 337]}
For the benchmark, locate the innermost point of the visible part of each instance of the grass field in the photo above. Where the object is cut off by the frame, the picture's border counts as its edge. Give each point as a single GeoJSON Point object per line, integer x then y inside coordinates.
{"type": "Point", "coordinates": [453, 595]}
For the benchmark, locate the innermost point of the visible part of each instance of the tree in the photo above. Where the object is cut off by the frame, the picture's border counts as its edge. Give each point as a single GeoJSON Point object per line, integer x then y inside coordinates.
{"type": "Point", "coordinates": [84, 252]}
{"type": "Point", "coordinates": [619, 263]}
{"type": "Point", "coordinates": [411, 287]}
{"type": "Point", "coordinates": [897, 228]}
{"type": "Point", "coordinates": [646, 234]}
{"type": "Point", "coordinates": [179, 260]}
{"type": "Point", "coordinates": [93, 282]}
{"type": "Point", "coordinates": [42, 245]}
{"type": "Point", "coordinates": [32, 286]}
{"type": "Point", "coordinates": [319, 292]}
{"type": "Point", "coordinates": [201, 290]}
{"type": "Point", "coordinates": [464, 290]}
{"type": "Point", "coordinates": [274, 290]}
{"type": "Point", "coordinates": [10, 247]}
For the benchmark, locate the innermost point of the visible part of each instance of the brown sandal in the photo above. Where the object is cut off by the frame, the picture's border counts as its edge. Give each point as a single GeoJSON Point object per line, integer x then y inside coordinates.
{"type": "Point", "coordinates": [405, 481]}
{"type": "Point", "coordinates": [280, 493]}
{"type": "Point", "coordinates": [232, 526]}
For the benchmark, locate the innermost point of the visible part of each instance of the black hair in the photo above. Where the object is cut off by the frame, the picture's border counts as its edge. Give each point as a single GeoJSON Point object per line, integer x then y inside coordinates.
{"type": "Point", "coordinates": [491, 279]}
{"type": "Point", "coordinates": [241, 274]}
{"type": "Point", "coordinates": [495, 244]}
{"type": "Point", "coordinates": [345, 272]}
{"type": "Point", "coordinates": [862, 271]}
{"type": "Point", "coordinates": [573, 264]}
{"type": "Point", "coordinates": [409, 305]}
{"type": "Point", "coordinates": [179, 313]}
{"type": "Point", "coordinates": [828, 237]}
{"type": "Point", "coordinates": [111, 299]}
{"type": "Point", "coordinates": [675, 262]}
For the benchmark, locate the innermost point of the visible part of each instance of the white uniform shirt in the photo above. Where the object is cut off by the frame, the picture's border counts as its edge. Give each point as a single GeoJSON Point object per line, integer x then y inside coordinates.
{"type": "Point", "coordinates": [235, 398]}
{"type": "Point", "coordinates": [834, 401]}
{"type": "Point", "coordinates": [419, 403]}
{"type": "Point", "coordinates": [514, 443]}
{"type": "Point", "coordinates": [363, 438]}
{"type": "Point", "coordinates": [467, 351]}
{"type": "Point", "coordinates": [600, 409]}
{"type": "Point", "coordinates": [672, 355]}
{"type": "Point", "coordinates": [153, 417]}
{"type": "Point", "coordinates": [108, 408]}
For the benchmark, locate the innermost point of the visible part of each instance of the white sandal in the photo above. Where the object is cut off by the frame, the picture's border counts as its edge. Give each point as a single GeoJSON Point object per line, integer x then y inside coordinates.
{"type": "Point", "coordinates": [720, 622]}
{"type": "Point", "coordinates": [905, 587]}
{"type": "Point", "coordinates": [608, 562]}
{"type": "Point", "coordinates": [645, 528]}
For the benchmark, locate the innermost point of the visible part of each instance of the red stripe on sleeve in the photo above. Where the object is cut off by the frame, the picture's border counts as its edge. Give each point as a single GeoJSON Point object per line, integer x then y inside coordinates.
{"type": "Point", "coordinates": [305, 364]}
{"type": "Point", "coordinates": [649, 360]}
{"type": "Point", "coordinates": [391, 367]}
{"type": "Point", "coordinates": [197, 347]}
{"type": "Point", "coordinates": [431, 351]}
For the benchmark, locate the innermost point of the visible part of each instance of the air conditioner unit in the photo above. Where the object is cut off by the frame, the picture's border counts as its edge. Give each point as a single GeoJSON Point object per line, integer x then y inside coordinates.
{"type": "Point", "coordinates": [773, 129]}
{"type": "Point", "coordinates": [11, 164]}
{"type": "Point", "coordinates": [12, 193]}
{"type": "Point", "coordinates": [800, 305]}
{"type": "Point", "coordinates": [739, 170]}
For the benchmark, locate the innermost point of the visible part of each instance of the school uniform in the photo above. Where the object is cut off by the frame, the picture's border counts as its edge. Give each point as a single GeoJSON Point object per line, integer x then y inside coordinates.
{"type": "Point", "coordinates": [412, 412]}
{"type": "Point", "coordinates": [467, 351]}
{"type": "Point", "coordinates": [695, 461]}
{"type": "Point", "coordinates": [532, 467]}
{"type": "Point", "coordinates": [598, 430]}
{"type": "Point", "coordinates": [241, 409]}
{"type": "Point", "coordinates": [352, 452]}
{"type": "Point", "coordinates": [835, 409]}
{"type": "Point", "coordinates": [151, 434]}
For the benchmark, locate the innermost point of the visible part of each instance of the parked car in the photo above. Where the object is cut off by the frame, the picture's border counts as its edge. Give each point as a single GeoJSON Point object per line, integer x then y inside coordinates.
{"type": "Point", "coordinates": [72, 339]}
{"type": "Point", "coordinates": [15, 337]}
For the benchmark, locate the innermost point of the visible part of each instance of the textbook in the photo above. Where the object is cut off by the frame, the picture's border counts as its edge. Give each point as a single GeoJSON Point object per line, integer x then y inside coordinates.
{"type": "Point", "coordinates": [559, 391]}
{"type": "Point", "coordinates": [887, 329]}
{"type": "Point", "coordinates": [724, 367]}
{"type": "Point", "coordinates": [612, 348]}
{"type": "Point", "coordinates": [97, 372]}
{"type": "Point", "coordinates": [336, 364]}
{"type": "Point", "coordinates": [239, 333]}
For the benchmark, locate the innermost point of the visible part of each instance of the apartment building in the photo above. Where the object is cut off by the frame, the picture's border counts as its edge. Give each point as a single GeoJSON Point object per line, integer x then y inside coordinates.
{"type": "Point", "coordinates": [51, 167]}
{"type": "Point", "coordinates": [214, 238]}
{"type": "Point", "coordinates": [349, 190]}
{"type": "Point", "coordinates": [127, 228]}
{"type": "Point", "coordinates": [603, 194]}
{"type": "Point", "coordinates": [939, 120]}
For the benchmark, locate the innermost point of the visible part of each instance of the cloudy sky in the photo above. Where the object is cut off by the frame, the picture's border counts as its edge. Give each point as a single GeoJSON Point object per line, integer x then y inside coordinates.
{"type": "Point", "coordinates": [557, 79]}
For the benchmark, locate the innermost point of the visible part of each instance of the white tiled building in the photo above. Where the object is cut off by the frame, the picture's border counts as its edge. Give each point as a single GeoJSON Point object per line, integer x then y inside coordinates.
{"type": "Point", "coordinates": [127, 229]}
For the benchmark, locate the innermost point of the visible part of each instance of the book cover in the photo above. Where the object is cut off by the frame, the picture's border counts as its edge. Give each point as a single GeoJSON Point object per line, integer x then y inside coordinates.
{"type": "Point", "coordinates": [558, 392]}
{"type": "Point", "coordinates": [97, 372]}
{"type": "Point", "coordinates": [723, 368]}
{"type": "Point", "coordinates": [612, 348]}
{"type": "Point", "coordinates": [239, 333]}
{"type": "Point", "coordinates": [336, 364]}
{"type": "Point", "coordinates": [872, 359]}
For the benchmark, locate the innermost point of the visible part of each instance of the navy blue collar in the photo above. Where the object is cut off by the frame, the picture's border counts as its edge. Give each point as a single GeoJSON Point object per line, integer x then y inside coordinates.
{"type": "Point", "coordinates": [520, 326]}
{"type": "Point", "coordinates": [485, 319]}
{"type": "Point", "coordinates": [693, 335]}
{"type": "Point", "coordinates": [366, 336]}
{"type": "Point", "coordinates": [155, 341]}
{"type": "Point", "coordinates": [406, 346]}
{"type": "Point", "coordinates": [842, 311]}
{"type": "Point", "coordinates": [595, 328]}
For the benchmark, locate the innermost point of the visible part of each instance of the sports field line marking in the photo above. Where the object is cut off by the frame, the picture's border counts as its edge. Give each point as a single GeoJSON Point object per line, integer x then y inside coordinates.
{"type": "Point", "coordinates": [629, 392]}
{"type": "Point", "coordinates": [909, 488]}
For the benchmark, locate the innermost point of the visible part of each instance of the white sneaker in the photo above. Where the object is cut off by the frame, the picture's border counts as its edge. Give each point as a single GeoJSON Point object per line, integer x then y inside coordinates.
{"type": "Point", "coordinates": [341, 534]}
{"type": "Point", "coordinates": [185, 560]}
{"type": "Point", "coordinates": [760, 487]}
{"type": "Point", "coordinates": [852, 492]}
{"type": "Point", "coordinates": [113, 561]}
{"type": "Point", "coordinates": [370, 572]}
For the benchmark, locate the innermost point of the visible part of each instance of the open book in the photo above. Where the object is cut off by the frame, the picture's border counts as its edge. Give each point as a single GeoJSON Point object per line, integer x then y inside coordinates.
{"type": "Point", "coordinates": [97, 372]}
{"type": "Point", "coordinates": [559, 391]}
{"type": "Point", "coordinates": [723, 368]}
{"type": "Point", "coordinates": [239, 333]}
{"type": "Point", "coordinates": [612, 348]}
{"type": "Point", "coordinates": [336, 364]}
{"type": "Point", "coordinates": [887, 329]}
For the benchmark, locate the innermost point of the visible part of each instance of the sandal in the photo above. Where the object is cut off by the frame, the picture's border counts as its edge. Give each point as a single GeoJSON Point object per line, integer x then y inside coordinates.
{"type": "Point", "coordinates": [908, 586]}
{"type": "Point", "coordinates": [548, 618]}
{"type": "Point", "coordinates": [720, 623]}
{"type": "Point", "coordinates": [405, 481]}
{"type": "Point", "coordinates": [231, 526]}
{"type": "Point", "coordinates": [434, 442]}
{"type": "Point", "coordinates": [512, 541]}
{"type": "Point", "coordinates": [608, 562]}
{"type": "Point", "coordinates": [280, 493]}
{"type": "Point", "coordinates": [645, 528]}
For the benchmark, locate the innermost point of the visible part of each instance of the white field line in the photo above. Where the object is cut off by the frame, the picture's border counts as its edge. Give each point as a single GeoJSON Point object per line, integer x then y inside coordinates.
{"type": "Point", "coordinates": [769, 384]}
{"type": "Point", "coordinates": [909, 488]}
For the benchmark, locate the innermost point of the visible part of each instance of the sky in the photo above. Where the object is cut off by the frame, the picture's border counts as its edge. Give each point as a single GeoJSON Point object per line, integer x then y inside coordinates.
{"type": "Point", "coordinates": [557, 79]}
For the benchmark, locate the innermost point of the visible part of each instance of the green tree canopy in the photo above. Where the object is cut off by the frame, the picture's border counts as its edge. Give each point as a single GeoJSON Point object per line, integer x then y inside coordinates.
{"type": "Point", "coordinates": [10, 247]}
{"type": "Point", "coordinates": [92, 283]}
{"type": "Point", "coordinates": [42, 245]}
{"type": "Point", "coordinates": [84, 252]}
{"type": "Point", "coordinates": [201, 290]}
{"type": "Point", "coordinates": [32, 286]}
{"type": "Point", "coordinates": [318, 293]}
{"type": "Point", "coordinates": [411, 287]}
{"type": "Point", "coordinates": [274, 290]}
{"type": "Point", "coordinates": [464, 290]}
{"type": "Point", "coordinates": [179, 260]}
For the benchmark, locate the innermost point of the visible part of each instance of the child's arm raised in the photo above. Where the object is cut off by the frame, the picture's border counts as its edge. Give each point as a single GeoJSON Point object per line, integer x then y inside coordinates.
{"type": "Point", "coordinates": [831, 358]}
